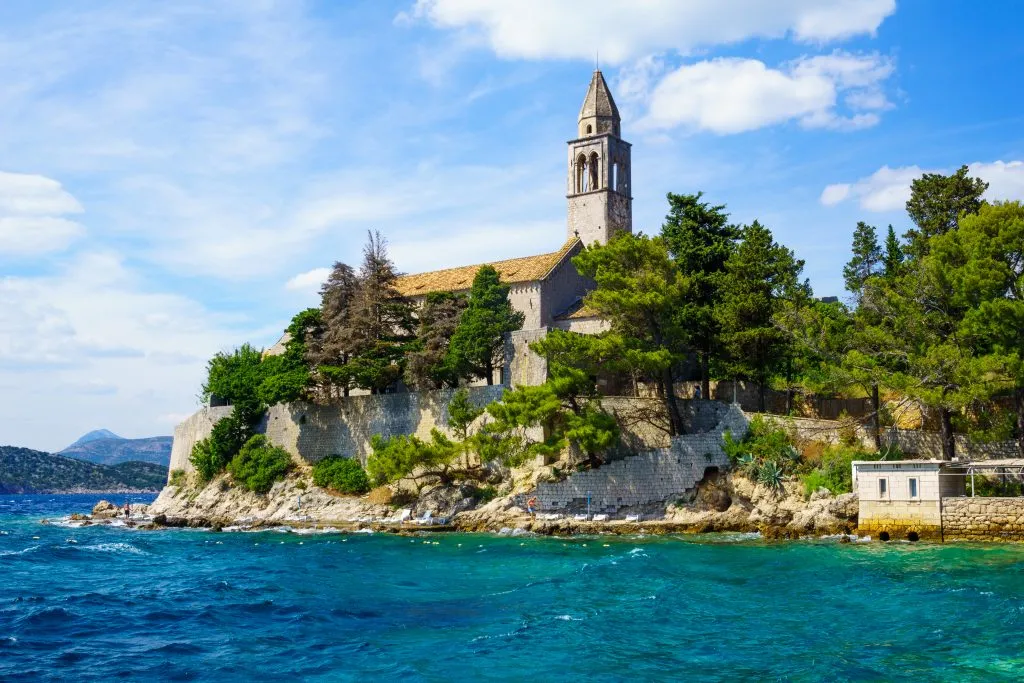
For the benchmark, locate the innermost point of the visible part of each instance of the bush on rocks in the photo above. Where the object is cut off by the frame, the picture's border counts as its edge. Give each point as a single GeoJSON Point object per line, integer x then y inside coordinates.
{"type": "Point", "coordinates": [341, 474]}
{"type": "Point", "coordinates": [259, 464]}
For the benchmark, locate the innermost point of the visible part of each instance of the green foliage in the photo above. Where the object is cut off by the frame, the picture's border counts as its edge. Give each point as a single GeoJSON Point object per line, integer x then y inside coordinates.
{"type": "Point", "coordinates": [341, 474]}
{"type": "Point", "coordinates": [995, 486]}
{"type": "Point", "coordinates": [834, 471]}
{"type": "Point", "coordinates": [892, 259]}
{"type": "Point", "coordinates": [259, 464]}
{"type": "Point", "coordinates": [235, 377]}
{"type": "Point", "coordinates": [936, 204]}
{"type": "Point", "coordinates": [178, 478]}
{"type": "Point", "coordinates": [640, 291]}
{"type": "Point", "coordinates": [428, 363]}
{"type": "Point", "coordinates": [867, 256]}
{"type": "Point", "coordinates": [211, 455]}
{"type": "Point", "coordinates": [403, 456]}
{"type": "Point", "coordinates": [23, 470]}
{"type": "Point", "coordinates": [461, 414]}
{"type": "Point", "coordinates": [485, 494]}
{"type": "Point", "coordinates": [478, 341]}
{"type": "Point", "coordinates": [760, 275]}
{"type": "Point", "coordinates": [764, 442]}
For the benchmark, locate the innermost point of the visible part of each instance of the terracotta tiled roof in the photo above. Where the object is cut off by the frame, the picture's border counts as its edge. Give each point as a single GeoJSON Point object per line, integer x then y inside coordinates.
{"type": "Point", "coordinates": [511, 271]}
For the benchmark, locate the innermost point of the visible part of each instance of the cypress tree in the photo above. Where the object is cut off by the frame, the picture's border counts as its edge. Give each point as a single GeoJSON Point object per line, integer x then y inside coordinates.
{"type": "Point", "coordinates": [479, 340]}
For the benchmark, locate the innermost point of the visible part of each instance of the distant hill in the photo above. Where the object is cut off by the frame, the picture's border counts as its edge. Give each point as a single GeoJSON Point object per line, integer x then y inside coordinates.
{"type": "Point", "coordinates": [23, 470]}
{"type": "Point", "coordinates": [95, 435]}
{"type": "Point", "coordinates": [106, 448]}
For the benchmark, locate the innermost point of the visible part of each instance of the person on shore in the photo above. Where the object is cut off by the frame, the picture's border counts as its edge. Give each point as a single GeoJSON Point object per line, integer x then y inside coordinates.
{"type": "Point", "coordinates": [127, 510]}
{"type": "Point", "coordinates": [531, 506]}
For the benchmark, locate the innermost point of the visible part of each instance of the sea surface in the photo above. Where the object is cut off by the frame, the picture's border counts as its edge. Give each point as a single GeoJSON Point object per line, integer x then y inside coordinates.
{"type": "Point", "coordinates": [103, 603]}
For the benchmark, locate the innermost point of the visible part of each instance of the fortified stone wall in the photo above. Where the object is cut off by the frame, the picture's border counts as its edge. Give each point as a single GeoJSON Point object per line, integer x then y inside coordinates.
{"type": "Point", "coordinates": [195, 428]}
{"type": "Point", "coordinates": [636, 483]}
{"type": "Point", "coordinates": [342, 427]}
{"type": "Point", "coordinates": [983, 519]}
{"type": "Point", "coordinates": [524, 367]}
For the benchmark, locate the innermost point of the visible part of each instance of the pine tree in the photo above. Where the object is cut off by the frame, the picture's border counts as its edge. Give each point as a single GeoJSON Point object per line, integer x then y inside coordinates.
{"type": "Point", "coordinates": [892, 259]}
{"type": "Point", "coordinates": [759, 276]}
{"type": "Point", "coordinates": [381, 321]}
{"type": "Point", "coordinates": [640, 292]}
{"type": "Point", "coordinates": [700, 239]}
{"type": "Point", "coordinates": [478, 343]}
{"type": "Point", "coordinates": [865, 260]}
{"type": "Point", "coordinates": [331, 350]}
{"type": "Point", "coordinates": [936, 204]}
{"type": "Point", "coordinates": [428, 365]}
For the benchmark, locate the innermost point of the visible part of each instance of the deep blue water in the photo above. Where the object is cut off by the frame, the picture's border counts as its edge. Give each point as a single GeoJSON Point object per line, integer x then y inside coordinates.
{"type": "Point", "coordinates": [102, 603]}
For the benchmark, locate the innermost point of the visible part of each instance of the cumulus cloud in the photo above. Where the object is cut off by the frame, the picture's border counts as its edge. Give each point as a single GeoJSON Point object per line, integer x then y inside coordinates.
{"type": "Point", "coordinates": [538, 29]}
{"type": "Point", "coordinates": [309, 281]}
{"type": "Point", "coordinates": [888, 189]}
{"type": "Point", "coordinates": [32, 210]}
{"type": "Point", "coordinates": [735, 95]}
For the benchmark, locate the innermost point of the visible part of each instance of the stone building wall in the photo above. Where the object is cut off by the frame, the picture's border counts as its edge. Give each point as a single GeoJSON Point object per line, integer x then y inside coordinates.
{"type": "Point", "coordinates": [524, 367]}
{"type": "Point", "coordinates": [983, 519]}
{"type": "Point", "coordinates": [652, 478]}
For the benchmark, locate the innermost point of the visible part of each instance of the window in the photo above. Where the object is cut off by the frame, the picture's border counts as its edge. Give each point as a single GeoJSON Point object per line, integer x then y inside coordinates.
{"type": "Point", "coordinates": [883, 486]}
{"type": "Point", "coordinates": [589, 129]}
{"type": "Point", "coordinates": [913, 487]}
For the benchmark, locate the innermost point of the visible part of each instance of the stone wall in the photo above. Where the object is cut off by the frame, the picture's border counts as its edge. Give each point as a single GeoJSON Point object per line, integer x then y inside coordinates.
{"type": "Point", "coordinates": [195, 428]}
{"type": "Point", "coordinates": [983, 519]}
{"type": "Point", "coordinates": [898, 519]}
{"type": "Point", "coordinates": [524, 367]}
{"type": "Point", "coordinates": [929, 445]}
{"type": "Point", "coordinates": [341, 427]}
{"type": "Point", "coordinates": [652, 478]}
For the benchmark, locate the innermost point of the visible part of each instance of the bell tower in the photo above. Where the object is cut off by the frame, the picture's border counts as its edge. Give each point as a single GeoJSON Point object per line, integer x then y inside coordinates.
{"type": "Point", "coordinates": [598, 190]}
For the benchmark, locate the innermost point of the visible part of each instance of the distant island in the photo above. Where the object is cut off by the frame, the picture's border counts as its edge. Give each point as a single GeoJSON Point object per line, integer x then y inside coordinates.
{"type": "Point", "coordinates": [23, 470]}
{"type": "Point", "coordinates": [104, 447]}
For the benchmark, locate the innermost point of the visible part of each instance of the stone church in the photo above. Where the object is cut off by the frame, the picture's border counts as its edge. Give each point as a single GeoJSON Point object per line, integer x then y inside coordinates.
{"type": "Point", "coordinates": [546, 288]}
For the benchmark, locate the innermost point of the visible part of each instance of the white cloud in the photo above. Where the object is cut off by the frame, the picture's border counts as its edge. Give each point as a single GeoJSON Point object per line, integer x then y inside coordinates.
{"type": "Point", "coordinates": [538, 29]}
{"type": "Point", "coordinates": [309, 281]}
{"type": "Point", "coordinates": [735, 95]}
{"type": "Point", "coordinates": [31, 215]}
{"type": "Point", "coordinates": [888, 189]}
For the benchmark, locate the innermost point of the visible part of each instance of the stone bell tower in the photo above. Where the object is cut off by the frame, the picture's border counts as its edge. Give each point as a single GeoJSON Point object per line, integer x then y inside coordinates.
{"type": "Point", "coordinates": [600, 204]}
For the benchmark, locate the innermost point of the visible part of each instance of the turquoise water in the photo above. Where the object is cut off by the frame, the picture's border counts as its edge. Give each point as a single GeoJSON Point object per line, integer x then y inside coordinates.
{"type": "Point", "coordinates": [104, 603]}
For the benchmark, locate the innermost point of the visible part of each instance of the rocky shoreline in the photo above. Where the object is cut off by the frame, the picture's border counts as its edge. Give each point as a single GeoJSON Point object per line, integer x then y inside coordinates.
{"type": "Point", "coordinates": [722, 503]}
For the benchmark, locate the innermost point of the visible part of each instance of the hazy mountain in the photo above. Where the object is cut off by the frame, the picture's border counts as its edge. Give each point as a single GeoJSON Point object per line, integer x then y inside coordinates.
{"type": "Point", "coordinates": [111, 450]}
{"type": "Point", "coordinates": [23, 470]}
{"type": "Point", "coordinates": [95, 435]}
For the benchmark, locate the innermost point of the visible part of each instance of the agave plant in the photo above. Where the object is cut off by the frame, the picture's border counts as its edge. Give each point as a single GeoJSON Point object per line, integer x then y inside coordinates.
{"type": "Point", "coordinates": [745, 463]}
{"type": "Point", "coordinates": [770, 474]}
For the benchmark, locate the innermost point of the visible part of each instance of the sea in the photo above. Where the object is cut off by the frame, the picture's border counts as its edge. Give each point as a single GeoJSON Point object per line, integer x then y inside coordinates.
{"type": "Point", "coordinates": [112, 603]}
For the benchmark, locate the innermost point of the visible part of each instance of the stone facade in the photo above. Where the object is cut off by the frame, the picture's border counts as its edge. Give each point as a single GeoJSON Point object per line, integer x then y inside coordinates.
{"type": "Point", "coordinates": [195, 428]}
{"type": "Point", "coordinates": [644, 482]}
{"type": "Point", "coordinates": [983, 519]}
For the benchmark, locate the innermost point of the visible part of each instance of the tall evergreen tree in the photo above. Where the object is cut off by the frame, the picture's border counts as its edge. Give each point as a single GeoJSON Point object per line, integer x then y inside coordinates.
{"type": "Point", "coordinates": [330, 351]}
{"type": "Point", "coordinates": [892, 259]}
{"type": "Point", "coordinates": [478, 343]}
{"type": "Point", "coordinates": [381, 321]}
{"type": "Point", "coordinates": [865, 260]}
{"type": "Point", "coordinates": [700, 239]}
{"type": "Point", "coordinates": [428, 365]}
{"type": "Point", "coordinates": [640, 291]}
{"type": "Point", "coordinates": [760, 275]}
{"type": "Point", "coordinates": [936, 203]}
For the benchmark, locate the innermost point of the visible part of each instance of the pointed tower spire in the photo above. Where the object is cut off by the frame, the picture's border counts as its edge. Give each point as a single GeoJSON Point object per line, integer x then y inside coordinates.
{"type": "Point", "coordinates": [599, 114]}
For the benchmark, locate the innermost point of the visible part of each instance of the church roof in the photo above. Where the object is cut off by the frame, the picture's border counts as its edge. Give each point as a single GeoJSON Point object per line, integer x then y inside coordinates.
{"type": "Point", "coordinates": [511, 271]}
{"type": "Point", "coordinates": [579, 311]}
{"type": "Point", "coordinates": [598, 101]}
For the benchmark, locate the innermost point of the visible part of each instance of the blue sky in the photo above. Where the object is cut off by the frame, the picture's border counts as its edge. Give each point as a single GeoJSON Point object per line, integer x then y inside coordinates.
{"type": "Point", "coordinates": [174, 177]}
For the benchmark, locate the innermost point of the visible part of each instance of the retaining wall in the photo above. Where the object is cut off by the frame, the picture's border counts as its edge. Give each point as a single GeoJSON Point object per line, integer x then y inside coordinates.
{"type": "Point", "coordinates": [635, 483]}
{"type": "Point", "coordinates": [983, 519]}
{"type": "Point", "coordinates": [196, 427]}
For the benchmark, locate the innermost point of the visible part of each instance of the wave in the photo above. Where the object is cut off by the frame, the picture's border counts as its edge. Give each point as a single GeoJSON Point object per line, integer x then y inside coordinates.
{"type": "Point", "coordinates": [23, 551]}
{"type": "Point", "coordinates": [112, 548]}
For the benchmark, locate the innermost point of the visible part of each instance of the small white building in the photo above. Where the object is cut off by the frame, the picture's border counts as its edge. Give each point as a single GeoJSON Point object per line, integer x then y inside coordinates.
{"type": "Point", "coordinates": [903, 498]}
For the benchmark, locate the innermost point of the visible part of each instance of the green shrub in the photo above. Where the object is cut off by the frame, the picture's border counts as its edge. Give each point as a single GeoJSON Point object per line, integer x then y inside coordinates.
{"type": "Point", "coordinates": [178, 478]}
{"type": "Point", "coordinates": [341, 474]}
{"type": "Point", "coordinates": [485, 494]}
{"type": "Point", "coordinates": [258, 464]}
{"type": "Point", "coordinates": [211, 455]}
{"type": "Point", "coordinates": [994, 486]}
{"type": "Point", "coordinates": [834, 473]}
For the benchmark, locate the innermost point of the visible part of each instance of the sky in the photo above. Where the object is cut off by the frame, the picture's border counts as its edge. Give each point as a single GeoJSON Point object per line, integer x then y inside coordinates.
{"type": "Point", "coordinates": [175, 178]}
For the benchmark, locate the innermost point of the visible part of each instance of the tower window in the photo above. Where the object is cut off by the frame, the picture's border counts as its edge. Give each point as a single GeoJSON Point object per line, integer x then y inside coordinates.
{"type": "Point", "coordinates": [595, 178]}
{"type": "Point", "coordinates": [581, 173]}
{"type": "Point", "coordinates": [590, 129]}
{"type": "Point", "coordinates": [615, 176]}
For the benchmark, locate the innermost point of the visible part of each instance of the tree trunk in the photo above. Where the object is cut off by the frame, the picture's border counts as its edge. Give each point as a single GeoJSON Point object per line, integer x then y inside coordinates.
{"type": "Point", "coordinates": [876, 419]}
{"type": "Point", "coordinates": [1019, 396]}
{"type": "Point", "coordinates": [705, 375]}
{"type": "Point", "coordinates": [669, 391]}
{"type": "Point", "coordinates": [489, 369]}
{"type": "Point", "coordinates": [948, 440]}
